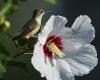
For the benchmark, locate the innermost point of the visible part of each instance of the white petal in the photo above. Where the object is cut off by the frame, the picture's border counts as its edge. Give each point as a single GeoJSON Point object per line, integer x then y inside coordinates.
{"type": "Point", "coordinates": [64, 69]}
{"type": "Point", "coordinates": [77, 25]}
{"type": "Point", "coordinates": [83, 29]}
{"type": "Point", "coordinates": [43, 64]}
{"type": "Point", "coordinates": [38, 59]}
{"type": "Point", "coordinates": [59, 23]}
{"type": "Point", "coordinates": [52, 73]}
{"type": "Point", "coordinates": [82, 58]}
{"type": "Point", "coordinates": [53, 25]}
{"type": "Point", "coordinates": [42, 37]}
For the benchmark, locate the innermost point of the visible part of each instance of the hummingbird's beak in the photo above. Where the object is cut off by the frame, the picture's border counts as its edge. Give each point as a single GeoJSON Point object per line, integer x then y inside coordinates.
{"type": "Point", "coordinates": [50, 11]}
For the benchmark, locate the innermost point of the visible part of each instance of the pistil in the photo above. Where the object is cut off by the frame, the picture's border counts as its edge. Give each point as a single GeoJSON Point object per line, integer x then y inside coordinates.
{"type": "Point", "coordinates": [53, 46]}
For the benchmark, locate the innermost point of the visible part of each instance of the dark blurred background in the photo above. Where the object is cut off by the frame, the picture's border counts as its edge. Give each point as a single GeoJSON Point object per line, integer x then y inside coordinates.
{"type": "Point", "coordinates": [68, 8]}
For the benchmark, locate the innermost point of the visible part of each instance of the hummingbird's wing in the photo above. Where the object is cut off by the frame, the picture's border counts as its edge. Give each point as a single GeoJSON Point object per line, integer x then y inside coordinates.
{"type": "Point", "coordinates": [27, 24]}
{"type": "Point", "coordinates": [27, 28]}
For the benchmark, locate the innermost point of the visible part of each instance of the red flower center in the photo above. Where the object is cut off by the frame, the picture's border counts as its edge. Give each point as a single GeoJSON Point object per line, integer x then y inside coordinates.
{"type": "Point", "coordinates": [52, 39]}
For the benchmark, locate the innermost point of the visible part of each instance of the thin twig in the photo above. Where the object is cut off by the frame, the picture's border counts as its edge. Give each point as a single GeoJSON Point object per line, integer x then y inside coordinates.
{"type": "Point", "coordinates": [28, 53]}
{"type": "Point", "coordinates": [19, 54]}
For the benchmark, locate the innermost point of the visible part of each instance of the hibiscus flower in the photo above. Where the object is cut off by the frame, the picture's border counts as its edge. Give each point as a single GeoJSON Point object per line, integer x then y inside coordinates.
{"type": "Point", "coordinates": [62, 52]}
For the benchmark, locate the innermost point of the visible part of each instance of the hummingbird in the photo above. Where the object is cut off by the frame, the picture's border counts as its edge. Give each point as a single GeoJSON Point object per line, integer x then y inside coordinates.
{"type": "Point", "coordinates": [32, 26]}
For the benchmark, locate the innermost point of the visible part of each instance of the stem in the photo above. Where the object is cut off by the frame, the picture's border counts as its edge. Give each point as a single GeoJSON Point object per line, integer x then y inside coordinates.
{"type": "Point", "coordinates": [6, 8]}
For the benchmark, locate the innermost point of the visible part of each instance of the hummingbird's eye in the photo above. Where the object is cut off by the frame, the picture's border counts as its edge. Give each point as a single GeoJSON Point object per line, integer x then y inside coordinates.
{"type": "Point", "coordinates": [41, 11]}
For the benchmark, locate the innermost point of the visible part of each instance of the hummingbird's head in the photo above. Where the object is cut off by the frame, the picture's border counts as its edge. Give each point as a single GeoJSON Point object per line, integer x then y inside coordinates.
{"type": "Point", "coordinates": [38, 13]}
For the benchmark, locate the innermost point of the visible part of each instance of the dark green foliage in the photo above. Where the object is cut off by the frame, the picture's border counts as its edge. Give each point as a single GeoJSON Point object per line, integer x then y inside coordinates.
{"type": "Point", "coordinates": [4, 57]}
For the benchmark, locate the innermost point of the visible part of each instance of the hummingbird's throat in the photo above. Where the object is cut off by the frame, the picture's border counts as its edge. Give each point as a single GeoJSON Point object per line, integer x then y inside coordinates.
{"type": "Point", "coordinates": [39, 18]}
{"type": "Point", "coordinates": [54, 46]}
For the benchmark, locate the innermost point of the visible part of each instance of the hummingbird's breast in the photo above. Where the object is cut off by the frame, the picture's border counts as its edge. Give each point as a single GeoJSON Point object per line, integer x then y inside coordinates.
{"type": "Point", "coordinates": [35, 29]}
{"type": "Point", "coordinates": [38, 20]}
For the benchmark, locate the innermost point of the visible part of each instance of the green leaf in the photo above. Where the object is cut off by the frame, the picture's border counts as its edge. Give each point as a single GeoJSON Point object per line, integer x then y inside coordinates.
{"type": "Point", "coordinates": [4, 57]}
{"type": "Point", "coordinates": [3, 50]}
{"type": "Point", "coordinates": [2, 70]}
{"type": "Point", "coordinates": [20, 65]}
{"type": "Point", "coordinates": [32, 42]}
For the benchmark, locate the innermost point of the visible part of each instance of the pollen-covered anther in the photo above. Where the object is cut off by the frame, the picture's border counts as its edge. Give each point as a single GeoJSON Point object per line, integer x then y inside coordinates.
{"type": "Point", "coordinates": [54, 49]}
{"type": "Point", "coordinates": [54, 46]}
